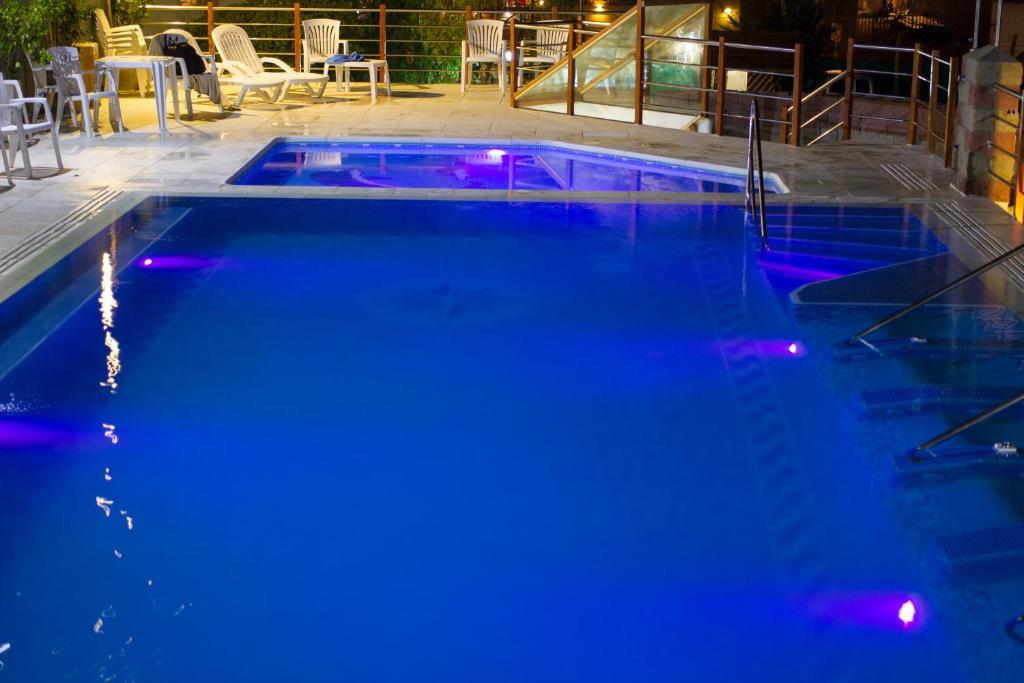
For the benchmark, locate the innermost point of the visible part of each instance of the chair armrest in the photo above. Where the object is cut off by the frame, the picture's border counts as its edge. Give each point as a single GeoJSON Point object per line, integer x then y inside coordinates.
{"type": "Point", "coordinates": [127, 28]}
{"type": "Point", "coordinates": [276, 62]}
{"type": "Point", "coordinates": [343, 43]}
{"type": "Point", "coordinates": [16, 85]}
{"type": "Point", "coordinates": [36, 100]}
{"type": "Point", "coordinates": [234, 67]}
{"type": "Point", "coordinates": [211, 60]}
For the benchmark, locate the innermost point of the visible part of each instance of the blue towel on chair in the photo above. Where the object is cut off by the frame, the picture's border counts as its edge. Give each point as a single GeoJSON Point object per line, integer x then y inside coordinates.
{"type": "Point", "coordinates": [341, 59]}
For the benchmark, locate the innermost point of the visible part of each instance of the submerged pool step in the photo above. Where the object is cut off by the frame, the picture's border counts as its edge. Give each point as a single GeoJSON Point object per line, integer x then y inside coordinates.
{"type": "Point", "coordinates": [887, 253]}
{"type": "Point", "coordinates": [944, 349]}
{"type": "Point", "coordinates": [928, 398]}
{"type": "Point", "coordinates": [938, 464]}
{"type": "Point", "coordinates": [984, 547]}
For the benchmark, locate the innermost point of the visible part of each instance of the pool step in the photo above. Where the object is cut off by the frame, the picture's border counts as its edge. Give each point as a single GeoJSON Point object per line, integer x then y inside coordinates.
{"type": "Point", "coordinates": [929, 398]}
{"type": "Point", "coordinates": [983, 548]}
{"type": "Point", "coordinates": [881, 253]}
{"type": "Point", "coordinates": [944, 349]}
{"type": "Point", "coordinates": [940, 464]}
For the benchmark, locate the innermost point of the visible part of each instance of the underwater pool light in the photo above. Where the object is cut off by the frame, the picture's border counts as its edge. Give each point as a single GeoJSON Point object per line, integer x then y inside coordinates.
{"type": "Point", "coordinates": [907, 613]}
{"type": "Point", "coordinates": [148, 262]}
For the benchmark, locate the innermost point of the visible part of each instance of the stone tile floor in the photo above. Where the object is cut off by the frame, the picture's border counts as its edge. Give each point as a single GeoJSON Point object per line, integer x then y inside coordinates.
{"type": "Point", "coordinates": [198, 155]}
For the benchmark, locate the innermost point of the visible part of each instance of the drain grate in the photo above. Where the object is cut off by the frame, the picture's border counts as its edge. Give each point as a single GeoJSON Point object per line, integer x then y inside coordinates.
{"type": "Point", "coordinates": [37, 241]}
{"type": "Point", "coordinates": [933, 397]}
{"type": "Point", "coordinates": [909, 179]}
{"type": "Point", "coordinates": [958, 218]}
{"type": "Point", "coordinates": [983, 546]}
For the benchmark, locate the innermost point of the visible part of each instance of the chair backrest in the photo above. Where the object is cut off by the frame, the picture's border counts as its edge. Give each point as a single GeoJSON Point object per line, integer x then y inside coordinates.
{"type": "Point", "coordinates": [552, 42]}
{"type": "Point", "coordinates": [485, 37]}
{"type": "Point", "coordinates": [233, 45]}
{"type": "Point", "coordinates": [65, 64]}
{"type": "Point", "coordinates": [6, 116]}
{"type": "Point", "coordinates": [322, 36]}
{"type": "Point", "coordinates": [189, 38]}
{"type": "Point", "coordinates": [38, 72]}
{"type": "Point", "coordinates": [119, 40]}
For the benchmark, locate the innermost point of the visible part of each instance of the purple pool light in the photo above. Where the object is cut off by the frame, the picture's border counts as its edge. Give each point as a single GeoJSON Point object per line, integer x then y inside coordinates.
{"type": "Point", "coordinates": [883, 611]}
{"type": "Point", "coordinates": [177, 262]}
{"type": "Point", "coordinates": [781, 348]}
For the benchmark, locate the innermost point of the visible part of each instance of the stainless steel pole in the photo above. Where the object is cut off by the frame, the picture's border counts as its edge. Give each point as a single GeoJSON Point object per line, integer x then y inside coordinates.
{"type": "Point", "coordinates": [977, 21]}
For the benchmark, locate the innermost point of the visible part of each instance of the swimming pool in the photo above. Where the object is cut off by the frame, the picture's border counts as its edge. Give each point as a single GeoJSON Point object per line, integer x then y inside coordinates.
{"type": "Point", "coordinates": [406, 440]}
{"type": "Point", "coordinates": [482, 165]}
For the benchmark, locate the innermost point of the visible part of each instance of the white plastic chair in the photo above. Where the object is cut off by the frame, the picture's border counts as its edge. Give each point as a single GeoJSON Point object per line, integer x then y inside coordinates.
{"type": "Point", "coordinates": [16, 127]}
{"type": "Point", "coordinates": [211, 66]}
{"type": "Point", "coordinates": [485, 46]}
{"type": "Point", "coordinates": [67, 71]}
{"type": "Point", "coordinates": [238, 57]}
{"type": "Point", "coordinates": [320, 41]}
{"type": "Point", "coordinates": [122, 40]}
{"type": "Point", "coordinates": [41, 88]}
{"type": "Point", "coordinates": [548, 48]}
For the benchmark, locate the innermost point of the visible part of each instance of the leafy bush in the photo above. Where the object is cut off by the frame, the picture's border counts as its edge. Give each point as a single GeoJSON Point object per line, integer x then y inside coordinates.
{"type": "Point", "coordinates": [34, 25]}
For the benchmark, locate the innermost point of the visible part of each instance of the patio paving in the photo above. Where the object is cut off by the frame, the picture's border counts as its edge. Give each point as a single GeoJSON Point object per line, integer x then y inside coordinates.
{"type": "Point", "coordinates": [198, 156]}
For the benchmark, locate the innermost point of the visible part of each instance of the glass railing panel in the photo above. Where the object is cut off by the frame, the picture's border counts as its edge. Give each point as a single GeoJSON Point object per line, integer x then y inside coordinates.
{"type": "Point", "coordinates": [548, 93]}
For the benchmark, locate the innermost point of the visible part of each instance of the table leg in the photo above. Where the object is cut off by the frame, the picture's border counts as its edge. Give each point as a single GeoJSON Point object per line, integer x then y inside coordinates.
{"type": "Point", "coordinates": [158, 91]}
{"type": "Point", "coordinates": [373, 83]}
{"type": "Point", "coordinates": [387, 78]}
{"type": "Point", "coordinates": [174, 91]}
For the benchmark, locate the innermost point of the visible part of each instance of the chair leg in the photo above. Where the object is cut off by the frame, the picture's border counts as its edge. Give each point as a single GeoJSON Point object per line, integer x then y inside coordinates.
{"type": "Point", "coordinates": [25, 159]}
{"type": "Point", "coordinates": [56, 146]}
{"type": "Point", "coordinates": [466, 66]}
{"type": "Point", "coordinates": [7, 167]}
{"type": "Point", "coordinates": [86, 117]}
{"type": "Point", "coordinates": [241, 95]}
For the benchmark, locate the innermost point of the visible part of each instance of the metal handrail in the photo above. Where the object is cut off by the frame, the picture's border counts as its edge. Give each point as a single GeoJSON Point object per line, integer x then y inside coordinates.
{"type": "Point", "coordinates": [752, 206]}
{"type": "Point", "coordinates": [935, 295]}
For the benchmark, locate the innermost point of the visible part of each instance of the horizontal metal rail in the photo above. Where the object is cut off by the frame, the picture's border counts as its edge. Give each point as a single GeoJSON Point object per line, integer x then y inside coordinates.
{"type": "Point", "coordinates": [826, 133]}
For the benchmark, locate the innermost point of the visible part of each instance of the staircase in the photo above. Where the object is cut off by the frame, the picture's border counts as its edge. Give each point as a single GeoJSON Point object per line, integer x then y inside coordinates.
{"type": "Point", "coordinates": [603, 69]}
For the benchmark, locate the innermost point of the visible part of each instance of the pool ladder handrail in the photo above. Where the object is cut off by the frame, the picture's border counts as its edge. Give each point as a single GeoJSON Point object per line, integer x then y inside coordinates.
{"type": "Point", "coordinates": [984, 415]}
{"type": "Point", "coordinates": [755, 205]}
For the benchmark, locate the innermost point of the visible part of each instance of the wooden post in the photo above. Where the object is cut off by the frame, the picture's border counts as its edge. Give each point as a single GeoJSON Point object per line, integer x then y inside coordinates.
{"type": "Point", "coordinates": [951, 101]}
{"type": "Point", "coordinates": [638, 80]}
{"type": "Point", "coordinates": [915, 91]}
{"type": "Point", "coordinates": [848, 91]}
{"type": "Point", "coordinates": [933, 100]}
{"type": "Point", "coordinates": [513, 63]}
{"type": "Point", "coordinates": [570, 71]}
{"type": "Point", "coordinates": [720, 83]}
{"type": "Point", "coordinates": [798, 92]}
{"type": "Point", "coordinates": [297, 37]}
{"type": "Point", "coordinates": [382, 31]}
{"type": "Point", "coordinates": [209, 26]}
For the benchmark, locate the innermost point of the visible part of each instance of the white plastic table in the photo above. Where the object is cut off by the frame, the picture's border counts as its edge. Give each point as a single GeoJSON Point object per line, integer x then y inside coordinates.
{"type": "Point", "coordinates": [372, 66]}
{"type": "Point", "coordinates": [160, 67]}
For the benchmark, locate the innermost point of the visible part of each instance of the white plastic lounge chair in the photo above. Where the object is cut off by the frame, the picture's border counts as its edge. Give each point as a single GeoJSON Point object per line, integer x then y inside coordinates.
{"type": "Point", "coordinates": [484, 46]}
{"type": "Point", "coordinates": [16, 128]}
{"type": "Point", "coordinates": [122, 40]}
{"type": "Point", "coordinates": [548, 48]}
{"type": "Point", "coordinates": [210, 60]}
{"type": "Point", "coordinates": [67, 71]}
{"type": "Point", "coordinates": [239, 58]}
{"type": "Point", "coordinates": [320, 41]}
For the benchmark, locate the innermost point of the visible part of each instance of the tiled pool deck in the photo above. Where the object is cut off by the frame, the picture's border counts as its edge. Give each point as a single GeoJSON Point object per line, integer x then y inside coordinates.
{"type": "Point", "coordinates": [109, 172]}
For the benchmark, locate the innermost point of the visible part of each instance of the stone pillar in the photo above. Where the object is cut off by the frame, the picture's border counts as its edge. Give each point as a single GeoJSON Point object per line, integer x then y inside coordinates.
{"type": "Point", "coordinates": [986, 118]}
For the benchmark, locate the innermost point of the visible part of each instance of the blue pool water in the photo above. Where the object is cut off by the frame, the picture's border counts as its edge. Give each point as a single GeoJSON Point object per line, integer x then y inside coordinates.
{"type": "Point", "coordinates": [486, 441]}
{"type": "Point", "coordinates": [480, 166]}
